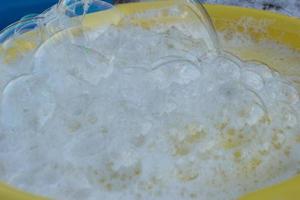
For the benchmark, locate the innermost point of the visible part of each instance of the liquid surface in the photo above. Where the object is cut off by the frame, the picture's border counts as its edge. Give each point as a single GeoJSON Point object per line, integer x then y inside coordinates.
{"type": "Point", "coordinates": [134, 113]}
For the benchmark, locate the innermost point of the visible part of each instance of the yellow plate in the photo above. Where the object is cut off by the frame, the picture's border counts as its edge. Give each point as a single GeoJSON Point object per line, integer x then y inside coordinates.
{"type": "Point", "coordinates": [263, 29]}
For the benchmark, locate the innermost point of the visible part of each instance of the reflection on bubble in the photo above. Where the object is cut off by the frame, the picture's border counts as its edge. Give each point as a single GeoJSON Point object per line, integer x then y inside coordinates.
{"type": "Point", "coordinates": [7, 33]}
{"type": "Point", "coordinates": [80, 8]}
{"type": "Point", "coordinates": [27, 24]}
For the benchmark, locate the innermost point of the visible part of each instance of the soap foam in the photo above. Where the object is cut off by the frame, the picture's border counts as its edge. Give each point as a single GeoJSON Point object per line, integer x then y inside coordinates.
{"type": "Point", "coordinates": [140, 113]}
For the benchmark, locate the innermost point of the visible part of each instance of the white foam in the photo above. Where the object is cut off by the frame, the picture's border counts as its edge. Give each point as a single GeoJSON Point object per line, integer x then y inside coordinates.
{"type": "Point", "coordinates": [145, 117]}
{"type": "Point", "coordinates": [26, 103]}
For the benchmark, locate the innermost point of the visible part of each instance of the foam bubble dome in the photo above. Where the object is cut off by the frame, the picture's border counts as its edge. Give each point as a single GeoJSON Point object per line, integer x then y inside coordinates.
{"type": "Point", "coordinates": [142, 105]}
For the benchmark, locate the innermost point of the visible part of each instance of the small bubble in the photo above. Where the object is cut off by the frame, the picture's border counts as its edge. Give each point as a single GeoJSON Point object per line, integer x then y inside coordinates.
{"type": "Point", "coordinates": [252, 80]}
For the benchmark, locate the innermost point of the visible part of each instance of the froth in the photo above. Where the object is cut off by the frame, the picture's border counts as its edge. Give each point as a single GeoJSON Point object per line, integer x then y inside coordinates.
{"type": "Point", "coordinates": [139, 113]}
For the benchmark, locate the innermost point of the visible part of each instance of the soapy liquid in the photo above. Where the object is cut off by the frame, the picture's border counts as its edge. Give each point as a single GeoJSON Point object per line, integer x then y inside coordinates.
{"type": "Point", "coordinates": [136, 113]}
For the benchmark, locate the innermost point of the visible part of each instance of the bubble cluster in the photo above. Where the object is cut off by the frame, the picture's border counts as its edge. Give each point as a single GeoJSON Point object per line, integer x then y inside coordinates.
{"type": "Point", "coordinates": [131, 112]}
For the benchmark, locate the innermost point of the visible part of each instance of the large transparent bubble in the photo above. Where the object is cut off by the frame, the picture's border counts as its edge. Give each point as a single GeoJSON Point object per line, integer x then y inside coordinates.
{"type": "Point", "coordinates": [76, 26]}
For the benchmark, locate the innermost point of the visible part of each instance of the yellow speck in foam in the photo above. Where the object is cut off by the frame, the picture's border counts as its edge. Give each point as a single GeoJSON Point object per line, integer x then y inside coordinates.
{"type": "Point", "coordinates": [181, 149]}
{"type": "Point", "coordinates": [298, 138]}
{"type": "Point", "coordinates": [232, 139]}
{"type": "Point", "coordinates": [108, 186]}
{"type": "Point", "coordinates": [187, 175]}
{"type": "Point", "coordinates": [287, 151]}
{"type": "Point", "coordinates": [74, 126]}
{"type": "Point", "coordinates": [222, 126]}
{"type": "Point", "coordinates": [254, 163]}
{"type": "Point", "coordinates": [237, 156]}
{"type": "Point", "coordinates": [265, 119]}
{"type": "Point", "coordinates": [231, 132]}
{"type": "Point", "coordinates": [194, 134]}
{"type": "Point", "coordinates": [277, 140]}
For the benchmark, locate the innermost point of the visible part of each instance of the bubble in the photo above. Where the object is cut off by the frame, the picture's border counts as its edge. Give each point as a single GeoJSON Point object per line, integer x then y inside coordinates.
{"type": "Point", "coordinates": [80, 8]}
{"type": "Point", "coordinates": [7, 33]}
{"type": "Point", "coordinates": [289, 116]}
{"type": "Point", "coordinates": [252, 80]}
{"type": "Point", "coordinates": [241, 105]}
{"type": "Point", "coordinates": [26, 24]}
{"type": "Point", "coordinates": [26, 104]}
{"type": "Point", "coordinates": [283, 90]}
{"type": "Point", "coordinates": [262, 69]}
{"type": "Point", "coordinates": [191, 17]}
{"type": "Point", "coordinates": [84, 63]}
{"type": "Point", "coordinates": [177, 69]}
{"type": "Point", "coordinates": [71, 13]}
{"type": "Point", "coordinates": [255, 114]}
{"type": "Point", "coordinates": [290, 93]}
{"type": "Point", "coordinates": [226, 67]}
